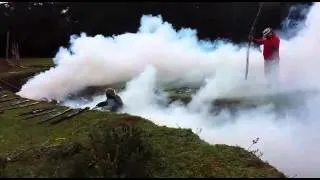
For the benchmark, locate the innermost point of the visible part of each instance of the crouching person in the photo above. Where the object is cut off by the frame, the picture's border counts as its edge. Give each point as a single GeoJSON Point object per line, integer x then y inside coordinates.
{"type": "Point", "coordinates": [112, 103]}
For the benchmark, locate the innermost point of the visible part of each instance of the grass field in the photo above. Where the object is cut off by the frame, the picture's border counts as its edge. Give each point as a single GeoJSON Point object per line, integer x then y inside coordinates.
{"type": "Point", "coordinates": [103, 144]}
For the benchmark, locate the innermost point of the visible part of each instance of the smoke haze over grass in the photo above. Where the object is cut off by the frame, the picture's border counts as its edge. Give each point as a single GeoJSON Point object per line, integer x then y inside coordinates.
{"type": "Point", "coordinates": [158, 54]}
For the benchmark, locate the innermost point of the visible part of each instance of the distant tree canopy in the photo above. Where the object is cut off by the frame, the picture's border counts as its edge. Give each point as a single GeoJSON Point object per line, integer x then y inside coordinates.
{"type": "Point", "coordinates": [41, 28]}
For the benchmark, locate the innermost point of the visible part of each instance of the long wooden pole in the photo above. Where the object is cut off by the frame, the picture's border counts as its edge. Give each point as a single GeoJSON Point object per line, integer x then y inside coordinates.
{"type": "Point", "coordinates": [250, 34]}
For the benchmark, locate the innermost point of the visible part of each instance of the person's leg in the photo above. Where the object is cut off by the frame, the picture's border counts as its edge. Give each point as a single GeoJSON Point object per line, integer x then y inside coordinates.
{"type": "Point", "coordinates": [274, 72]}
{"type": "Point", "coordinates": [267, 71]}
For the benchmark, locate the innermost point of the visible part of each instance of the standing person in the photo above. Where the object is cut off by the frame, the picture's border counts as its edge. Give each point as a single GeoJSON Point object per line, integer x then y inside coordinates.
{"type": "Point", "coordinates": [271, 43]}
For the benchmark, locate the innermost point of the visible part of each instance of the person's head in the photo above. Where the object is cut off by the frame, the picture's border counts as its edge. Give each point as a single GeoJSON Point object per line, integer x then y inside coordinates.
{"type": "Point", "coordinates": [110, 92]}
{"type": "Point", "coordinates": [267, 32]}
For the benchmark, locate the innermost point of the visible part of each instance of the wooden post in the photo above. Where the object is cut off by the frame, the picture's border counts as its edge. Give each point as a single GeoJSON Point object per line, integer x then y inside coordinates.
{"type": "Point", "coordinates": [250, 34]}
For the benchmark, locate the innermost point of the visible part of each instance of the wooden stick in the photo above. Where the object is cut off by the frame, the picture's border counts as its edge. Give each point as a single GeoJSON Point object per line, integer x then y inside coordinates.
{"type": "Point", "coordinates": [6, 100]}
{"type": "Point", "coordinates": [249, 44]}
{"type": "Point", "coordinates": [20, 102]}
{"type": "Point", "coordinates": [39, 114]}
{"type": "Point", "coordinates": [57, 115]}
{"type": "Point", "coordinates": [31, 104]}
{"type": "Point", "coordinates": [3, 96]}
{"type": "Point", "coordinates": [21, 106]}
{"type": "Point", "coordinates": [68, 116]}
{"type": "Point", "coordinates": [35, 111]}
{"type": "Point", "coordinates": [17, 103]}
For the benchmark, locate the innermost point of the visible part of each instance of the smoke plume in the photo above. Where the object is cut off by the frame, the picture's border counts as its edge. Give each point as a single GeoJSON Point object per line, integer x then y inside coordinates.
{"type": "Point", "coordinates": [158, 54]}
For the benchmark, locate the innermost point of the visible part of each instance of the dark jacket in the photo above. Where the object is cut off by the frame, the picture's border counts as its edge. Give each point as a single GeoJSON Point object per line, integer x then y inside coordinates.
{"type": "Point", "coordinates": [112, 103]}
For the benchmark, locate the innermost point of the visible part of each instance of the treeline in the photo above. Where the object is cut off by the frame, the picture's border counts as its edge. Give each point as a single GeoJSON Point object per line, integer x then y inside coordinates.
{"type": "Point", "coordinates": [38, 29]}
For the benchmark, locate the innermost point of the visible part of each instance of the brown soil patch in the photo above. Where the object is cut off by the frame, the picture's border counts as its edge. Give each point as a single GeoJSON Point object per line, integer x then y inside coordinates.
{"type": "Point", "coordinates": [6, 67]}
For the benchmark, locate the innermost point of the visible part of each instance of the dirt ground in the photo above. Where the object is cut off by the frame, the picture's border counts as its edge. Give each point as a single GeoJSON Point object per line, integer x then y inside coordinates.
{"type": "Point", "coordinates": [5, 67]}
{"type": "Point", "coordinates": [12, 77]}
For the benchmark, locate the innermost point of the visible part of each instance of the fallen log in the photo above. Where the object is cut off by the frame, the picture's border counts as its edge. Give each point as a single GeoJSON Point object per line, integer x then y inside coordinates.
{"type": "Point", "coordinates": [54, 116]}
{"type": "Point", "coordinates": [39, 114]}
{"type": "Point", "coordinates": [11, 99]}
{"type": "Point", "coordinates": [21, 106]}
{"type": "Point", "coordinates": [20, 102]}
{"type": "Point", "coordinates": [69, 116]}
{"type": "Point", "coordinates": [35, 111]}
{"type": "Point", "coordinates": [3, 96]}
{"type": "Point", "coordinates": [31, 104]}
{"type": "Point", "coordinates": [16, 103]}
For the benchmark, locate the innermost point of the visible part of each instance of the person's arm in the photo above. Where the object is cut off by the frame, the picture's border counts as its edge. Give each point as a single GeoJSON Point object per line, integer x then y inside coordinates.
{"type": "Point", "coordinates": [101, 104]}
{"type": "Point", "coordinates": [258, 41]}
{"type": "Point", "coordinates": [119, 100]}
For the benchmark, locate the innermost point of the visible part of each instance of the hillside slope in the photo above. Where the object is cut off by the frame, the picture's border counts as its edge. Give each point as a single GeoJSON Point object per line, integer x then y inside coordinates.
{"type": "Point", "coordinates": [102, 144]}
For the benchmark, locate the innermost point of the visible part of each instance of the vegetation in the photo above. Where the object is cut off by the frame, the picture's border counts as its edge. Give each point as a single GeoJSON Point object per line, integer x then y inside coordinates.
{"type": "Point", "coordinates": [100, 144]}
{"type": "Point", "coordinates": [48, 25]}
{"type": "Point", "coordinates": [13, 78]}
{"type": "Point", "coordinates": [105, 144]}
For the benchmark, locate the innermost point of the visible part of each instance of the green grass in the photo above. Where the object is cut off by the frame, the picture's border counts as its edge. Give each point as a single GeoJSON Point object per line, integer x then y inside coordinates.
{"type": "Point", "coordinates": [103, 144]}
{"type": "Point", "coordinates": [175, 152]}
{"type": "Point", "coordinates": [18, 76]}
{"type": "Point", "coordinates": [37, 62]}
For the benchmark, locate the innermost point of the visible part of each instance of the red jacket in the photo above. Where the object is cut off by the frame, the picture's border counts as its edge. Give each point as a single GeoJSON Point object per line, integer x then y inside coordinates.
{"type": "Point", "coordinates": [270, 47]}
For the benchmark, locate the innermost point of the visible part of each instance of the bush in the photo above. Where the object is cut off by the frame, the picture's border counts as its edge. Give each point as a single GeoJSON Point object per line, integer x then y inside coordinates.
{"type": "Point", "coordinates": [120, 151]}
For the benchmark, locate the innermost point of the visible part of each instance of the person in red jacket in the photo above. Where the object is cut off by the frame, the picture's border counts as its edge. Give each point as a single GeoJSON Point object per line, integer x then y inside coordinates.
{"type": "Point", "coordinates": [271, 43]}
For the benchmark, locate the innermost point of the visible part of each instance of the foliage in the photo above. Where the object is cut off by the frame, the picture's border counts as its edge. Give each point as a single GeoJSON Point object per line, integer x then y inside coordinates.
{"type": "Point", "coordinates": [48, 25]}
{"type": "Point", "coordinates": [104, 144]}
{"type": "Point", "coordinates": [121, 151]}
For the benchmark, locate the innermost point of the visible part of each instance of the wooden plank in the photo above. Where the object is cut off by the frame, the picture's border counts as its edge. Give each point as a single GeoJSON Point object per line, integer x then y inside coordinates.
{"type": "Point", "coordinates": [3, 96]}
{"type": "Point", "coordinates": [40, 114]}
{"type": "Point", "coordinates": [16, 103]}
{"type": "Point", "coordinates": [36, 111]}
{"type": "Point", "coordinates": [11, 99]}
{"type": "Point", "coordinates": [69, 116]}
{"type": "Point", "coordinates": [56, 115]}
{"type": "Point", "coordinates": [21, 106]}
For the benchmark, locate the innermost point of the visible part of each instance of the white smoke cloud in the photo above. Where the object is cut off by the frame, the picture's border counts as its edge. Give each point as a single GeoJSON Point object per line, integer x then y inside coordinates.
{"type": "Point", "coordinates": [178, 56]}
{"type": "Point", "coordinates": [293, 23]}
{"type": "Point", "coordinates": [159, 54]}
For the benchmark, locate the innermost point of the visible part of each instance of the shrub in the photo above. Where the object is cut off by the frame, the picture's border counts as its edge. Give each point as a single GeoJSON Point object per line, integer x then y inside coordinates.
{"type": "Point", "coordinates": [120, 151]}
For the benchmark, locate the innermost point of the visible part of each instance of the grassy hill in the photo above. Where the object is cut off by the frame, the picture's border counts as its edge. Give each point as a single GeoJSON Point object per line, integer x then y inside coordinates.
{"type": "Point", "coordinates": [103, 144]}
